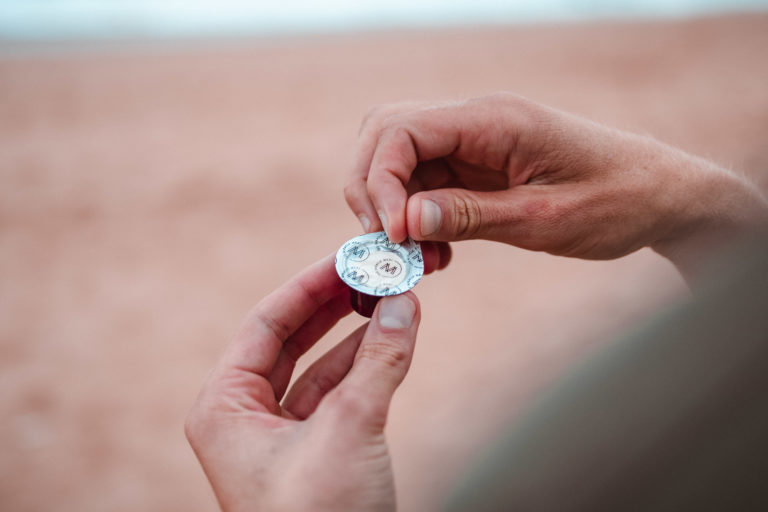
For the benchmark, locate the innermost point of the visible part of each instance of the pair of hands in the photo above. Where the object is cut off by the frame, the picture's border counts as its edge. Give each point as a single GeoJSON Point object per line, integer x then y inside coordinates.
{"type": "Point", "coordinates": [499, 168]}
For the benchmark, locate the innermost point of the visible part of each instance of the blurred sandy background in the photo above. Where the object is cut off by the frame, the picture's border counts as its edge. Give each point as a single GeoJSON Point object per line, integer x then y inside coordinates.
{"type": "Point", "coordinates": [149, 195]}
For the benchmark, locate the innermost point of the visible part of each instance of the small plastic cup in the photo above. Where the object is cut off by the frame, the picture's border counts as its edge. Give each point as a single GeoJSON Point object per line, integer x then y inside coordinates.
{"type": "Point", "coordinates": [374, 267]}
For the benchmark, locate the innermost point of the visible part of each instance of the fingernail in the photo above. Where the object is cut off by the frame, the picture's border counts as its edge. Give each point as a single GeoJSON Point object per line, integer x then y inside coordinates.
{"type": "Point", "coordinates": [396, 312]}
{"type": "Point", "coordinates": [383, 219]}
{"type": "Point", "coordinates": [431, 217]}
{"type": "Point", "coordinates": [365, 222]}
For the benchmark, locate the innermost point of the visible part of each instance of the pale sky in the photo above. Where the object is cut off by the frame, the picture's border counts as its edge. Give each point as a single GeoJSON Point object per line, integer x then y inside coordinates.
{"type": "Point", "coordinates": [34, 19]}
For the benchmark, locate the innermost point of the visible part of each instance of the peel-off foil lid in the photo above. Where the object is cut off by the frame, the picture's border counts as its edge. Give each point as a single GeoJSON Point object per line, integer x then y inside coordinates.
{"type": "Point", "coordinates": [373, 265]}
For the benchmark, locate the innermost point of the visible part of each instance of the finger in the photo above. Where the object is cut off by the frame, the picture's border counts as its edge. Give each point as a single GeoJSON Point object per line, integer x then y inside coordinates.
{"type": "Point", "coordinates": [431, 256]}
{"type": "Point", "coordinates": [303, 339]}
{"type": "Point", "coordinates": [322, 376]}
{"type": "Point", "coordinates": [446, 254]}
{"type": "Point", "coordinates": [355, 191]}
{"type": "Point", "coordinates": [408, 139]}
{"type": "Point", "coordinates": [414, 185]}
{"type": "Point", "coordinates": [256, 346]}
{"type": "Point", "coordinates": [482, 133]}
{"type": "Point", "coordinates": [430, 175]}
{"type": "Point", "coordinates": [435, 174]}
{"type": "Point", "coordinates": [436, 256]}
{"type": "Point", "coordinates": [459, 214]}
{"type": "Point", "coordinates": [379, 366]}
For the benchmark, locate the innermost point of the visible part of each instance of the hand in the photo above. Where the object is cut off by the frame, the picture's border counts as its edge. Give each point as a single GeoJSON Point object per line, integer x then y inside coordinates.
{"type": "Point", "coordinates": [324, 447]}
{"type": "Point", "coordinates": [504, 168]}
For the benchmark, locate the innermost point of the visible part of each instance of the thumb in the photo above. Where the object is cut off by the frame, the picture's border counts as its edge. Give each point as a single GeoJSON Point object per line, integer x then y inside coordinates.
{"type": "Point", "coordinates": [459, 214]}
{"type": "Point", "coordinates": [381, 362]}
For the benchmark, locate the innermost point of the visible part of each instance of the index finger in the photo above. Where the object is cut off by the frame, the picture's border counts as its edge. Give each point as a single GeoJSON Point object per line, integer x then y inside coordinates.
{"type": "Point", "coordinates": [354, 190]}
{"type": "Point", "coordinates": [256, 346]}
{"type": "Point", "coordinates": [407, 140]}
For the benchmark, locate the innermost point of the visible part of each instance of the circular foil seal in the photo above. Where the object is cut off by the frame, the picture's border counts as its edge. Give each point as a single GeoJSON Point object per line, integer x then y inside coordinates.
{"type": "Point", "coordinates": [373, 265]}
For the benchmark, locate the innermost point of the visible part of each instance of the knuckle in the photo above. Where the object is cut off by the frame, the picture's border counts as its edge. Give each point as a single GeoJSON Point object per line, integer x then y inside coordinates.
{"type": "Point", "coordinates": [525, 113]}
{"type": "Point", "coordinates": [505, 97]}
{"type": "Point", "coordinates": [499, 99]}
{"type": "Point", "coordinates": [277, 327]}
{"type": "Point", "coordinates": [384, 352]}
{"type": "Point", "coordinates": [388, 117]}
{"type": "Point", "coordinates": [351, 193]}
{"type": "Point", "coordinates": [321, 382]}
{"type": "Point", "coordinates": [347, 403]}
{"type": "Point", "coordinates": [393, 128]}
{"type": "Point", "coordinates": [467, 216]}
{"type": "Point", "coordinates": [377, 115]}
{"type": "Point", "coordinates": [372, 114]}
{"type": "Point", "coordinates": [544, 219]}
{"type": "Point", "coordinates": [539, 209]}
{"type": "Point", "coordinates": [551, 214]}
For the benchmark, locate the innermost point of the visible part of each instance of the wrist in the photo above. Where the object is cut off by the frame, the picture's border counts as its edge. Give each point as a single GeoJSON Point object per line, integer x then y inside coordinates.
{"type": "Point", "coordinates": [715, 207]}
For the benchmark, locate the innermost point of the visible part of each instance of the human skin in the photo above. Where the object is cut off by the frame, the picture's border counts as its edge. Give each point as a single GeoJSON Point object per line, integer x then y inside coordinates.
{"type": "Point", "coordinates": [321, 446]}
{"type": "Point", "coordinates": [504, 168]}
{"type": "Point", "coordinates": [499, 168]}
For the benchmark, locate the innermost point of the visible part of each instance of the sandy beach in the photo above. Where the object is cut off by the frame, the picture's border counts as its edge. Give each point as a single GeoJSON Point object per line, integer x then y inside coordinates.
{"type": "Point", "coordinates": [151, 194]}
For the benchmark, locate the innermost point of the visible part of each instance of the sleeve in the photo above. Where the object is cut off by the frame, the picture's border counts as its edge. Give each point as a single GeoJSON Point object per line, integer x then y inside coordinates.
{"type": "Point", "coordinates": [673, 417]}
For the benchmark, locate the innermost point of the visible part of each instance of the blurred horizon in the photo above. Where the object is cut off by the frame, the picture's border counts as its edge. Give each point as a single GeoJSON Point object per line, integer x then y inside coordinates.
{"type": "Point", "coordinates": [62, 20]}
